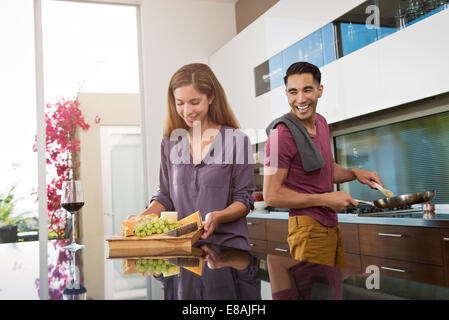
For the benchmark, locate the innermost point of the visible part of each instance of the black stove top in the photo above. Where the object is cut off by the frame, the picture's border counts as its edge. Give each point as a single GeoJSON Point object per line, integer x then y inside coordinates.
{"type": "Point", "coordinates": [366, 209]}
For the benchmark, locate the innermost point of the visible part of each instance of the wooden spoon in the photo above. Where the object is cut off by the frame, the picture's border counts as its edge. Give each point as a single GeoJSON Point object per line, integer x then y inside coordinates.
{"type": "Point", "coordinates": [386, 192]}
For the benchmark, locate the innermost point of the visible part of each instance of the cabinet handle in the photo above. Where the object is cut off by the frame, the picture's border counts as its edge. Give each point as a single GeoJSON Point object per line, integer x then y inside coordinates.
{"type": "Point", "coordinates": [252, 244]}
{"type": "Point", "coordinates": [390, 235]}
{"type": "Point", "coordinates": [446, 239]}
{"type": "Point", "coordinates": [279, 249]}
{"type": "Point", "coordinates": [393, 269]}
{"type": "Point", "coordinates": [249, 223]}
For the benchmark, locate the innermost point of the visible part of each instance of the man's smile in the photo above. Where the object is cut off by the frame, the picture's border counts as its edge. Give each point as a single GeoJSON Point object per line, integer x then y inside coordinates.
{"type": "Point", "coordinates": [302, 109]}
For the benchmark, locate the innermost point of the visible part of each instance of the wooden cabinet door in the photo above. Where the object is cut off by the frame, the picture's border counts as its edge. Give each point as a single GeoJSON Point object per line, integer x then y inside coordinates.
{"type": "Point", "coordinates": [353, 262]}
{"type": "Point", "coordinates": [256, 228]}
{"type": "Point", "coordinates": [258, 245]}
{"type": "Point", "coordinates": [445, 245]}
{"type": "Point", "coordinates": [406, 270]}
{"type": "Point", "coordinates": [350, 234]}
{"type": "Point", "coordinates": [278, 248]}
{"type": "Point", "coordinates": [415, 244]}
{"type": "Point", "coordinates": [277, 230]}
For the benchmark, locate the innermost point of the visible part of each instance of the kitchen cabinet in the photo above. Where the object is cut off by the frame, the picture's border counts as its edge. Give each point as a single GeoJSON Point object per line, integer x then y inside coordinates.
{"type": "Point", "coordinates": [268, 236]}
{"type": "Point", "coordinates": [350, 234]}
{"type": "Point", "coordinates": [277, 230]}
{"type": "Point", "coordinates": [413, 244]}
{"type": "Point", "coordinates": [412, 253]}
{"type": "Point", "coordinates": [353, 262]}
{"type": "Point", "coordinates": [407, 270]}
{"type": "Point", "coordinates": [256, 228]}
{"type": "Point", "coordinates": [445, 244]}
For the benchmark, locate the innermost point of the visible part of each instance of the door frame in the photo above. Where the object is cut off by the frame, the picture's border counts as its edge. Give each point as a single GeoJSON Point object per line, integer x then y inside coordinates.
{"type": "Point", "coordinates": [41, 136]}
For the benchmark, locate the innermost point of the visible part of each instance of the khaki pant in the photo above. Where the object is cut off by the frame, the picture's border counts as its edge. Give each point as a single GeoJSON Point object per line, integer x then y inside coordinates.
{"type": "Point", "coordinates": [312, 241]}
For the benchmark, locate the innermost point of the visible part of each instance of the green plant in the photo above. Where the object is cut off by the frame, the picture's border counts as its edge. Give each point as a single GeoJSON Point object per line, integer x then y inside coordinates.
{"type": "Point", "coordinates": [7, 214]}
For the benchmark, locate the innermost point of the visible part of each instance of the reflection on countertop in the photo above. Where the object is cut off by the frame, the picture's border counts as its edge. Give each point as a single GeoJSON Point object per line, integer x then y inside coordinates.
{"type": "Point", "coordinates": [226, 273]}
{"type": "Point", "coordinates": [218, 273]}
{"type": "Point", "coordinates": [19, 272]}
{"type": "Point", "coordinates": [292, 280]}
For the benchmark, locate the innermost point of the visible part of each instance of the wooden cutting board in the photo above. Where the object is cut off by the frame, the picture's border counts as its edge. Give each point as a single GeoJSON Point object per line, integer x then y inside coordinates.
{"type": "Point", "coordinates": [123, 247]}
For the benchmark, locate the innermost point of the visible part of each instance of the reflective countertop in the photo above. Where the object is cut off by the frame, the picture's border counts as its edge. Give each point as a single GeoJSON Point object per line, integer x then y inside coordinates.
{"type": "Point", "coordinates": [222, 273]}
{"type": "Point", "coordinates": [440, 219]}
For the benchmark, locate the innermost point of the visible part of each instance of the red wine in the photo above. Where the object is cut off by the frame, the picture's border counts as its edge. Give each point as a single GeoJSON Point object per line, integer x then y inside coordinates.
{"type": "Point", "coordinates": [72, 206]}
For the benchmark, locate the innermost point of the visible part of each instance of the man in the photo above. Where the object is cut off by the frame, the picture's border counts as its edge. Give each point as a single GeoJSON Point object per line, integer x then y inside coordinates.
{"type": "Point", "coordinates": [302, 178]}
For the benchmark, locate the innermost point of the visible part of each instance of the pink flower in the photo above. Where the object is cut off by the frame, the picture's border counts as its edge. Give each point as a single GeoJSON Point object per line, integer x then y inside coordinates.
{"type": "Point", "coordinates": [62, 119]}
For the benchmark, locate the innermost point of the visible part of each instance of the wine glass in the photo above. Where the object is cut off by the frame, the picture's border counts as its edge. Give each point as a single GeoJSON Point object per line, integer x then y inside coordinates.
{"type": "Point", "coordinates": [72, 199]}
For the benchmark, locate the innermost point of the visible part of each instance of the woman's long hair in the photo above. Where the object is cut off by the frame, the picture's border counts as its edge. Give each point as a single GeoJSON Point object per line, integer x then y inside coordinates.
{"type": "Point", "coordinates": [204, 81]}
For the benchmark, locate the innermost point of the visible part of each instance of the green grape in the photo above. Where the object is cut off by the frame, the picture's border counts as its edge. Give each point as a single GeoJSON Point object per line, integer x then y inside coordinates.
{"type": "Point", "coordinates": [166, 229]}
{"type": "Point", "coordinates": [159, 231]}
{"type": "Point", "coordinates": [154, 230]}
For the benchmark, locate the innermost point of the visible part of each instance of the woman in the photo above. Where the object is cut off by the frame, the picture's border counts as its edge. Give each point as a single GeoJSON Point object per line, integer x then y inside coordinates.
{"type": "Point", "coordinates": [205, 159]}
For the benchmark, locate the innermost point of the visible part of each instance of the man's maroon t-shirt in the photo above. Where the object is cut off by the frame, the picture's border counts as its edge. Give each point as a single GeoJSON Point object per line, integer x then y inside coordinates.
{"type": "Point", "coordinates": [318, 181]}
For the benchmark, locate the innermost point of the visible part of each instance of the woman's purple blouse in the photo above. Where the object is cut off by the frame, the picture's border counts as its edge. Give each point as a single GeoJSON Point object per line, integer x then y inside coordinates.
{"type": "Point", "coordinates": [224, 176]}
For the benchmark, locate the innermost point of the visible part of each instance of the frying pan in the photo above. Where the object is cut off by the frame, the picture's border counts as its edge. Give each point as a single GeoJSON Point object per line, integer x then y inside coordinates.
{"type": "Point", "coordinates": [401, 200]}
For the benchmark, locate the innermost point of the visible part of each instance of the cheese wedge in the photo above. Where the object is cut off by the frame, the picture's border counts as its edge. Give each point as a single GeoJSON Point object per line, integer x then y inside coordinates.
{"type": "Point", "coordinates": [174, 270]}
{"type": "Point", "coordinates": [171, 216]}
{"type": "Point", "coordinates": [129, 266]}
{"type": "Point", "coordinates": [193, 217]}
{"type": "Point", "coordinates": [198, 270]}
{"type": "Point", "coordinates": [128, 225]}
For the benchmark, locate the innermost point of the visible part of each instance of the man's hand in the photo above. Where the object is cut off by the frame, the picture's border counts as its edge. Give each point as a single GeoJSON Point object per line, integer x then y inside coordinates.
{"type": "Point", "coordinates": [367, 177]}
{"type": "Point", "coordinates": [209, 224]}
{"type": "Point", "coordinates": [339, 200]}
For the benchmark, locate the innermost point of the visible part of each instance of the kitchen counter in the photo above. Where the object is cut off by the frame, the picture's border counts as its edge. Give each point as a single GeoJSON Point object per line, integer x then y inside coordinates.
{"type": "Point", "coordinates": [441, 219]}
{"type": "Point", "coordinates": [227, 273]}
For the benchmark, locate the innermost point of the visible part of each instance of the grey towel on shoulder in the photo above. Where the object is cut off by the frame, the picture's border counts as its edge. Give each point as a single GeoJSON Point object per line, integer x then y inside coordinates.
{"type": "Point", "coordinates": [310, 156]}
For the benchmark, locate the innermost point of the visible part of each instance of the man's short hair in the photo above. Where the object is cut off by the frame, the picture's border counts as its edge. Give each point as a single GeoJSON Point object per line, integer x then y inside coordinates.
{"type": "Point", "coordinates": [303, 67]}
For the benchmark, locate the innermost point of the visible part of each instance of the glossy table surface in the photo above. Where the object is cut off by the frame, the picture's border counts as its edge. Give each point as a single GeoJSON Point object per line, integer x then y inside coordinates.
{"type": "Point", "coordinates": [215, 273]}
{"type": "Point", "coordinates": [230, 274]}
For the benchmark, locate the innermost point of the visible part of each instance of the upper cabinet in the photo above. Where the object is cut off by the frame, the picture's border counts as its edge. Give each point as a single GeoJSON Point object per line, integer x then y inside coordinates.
{"type": "Point", "coordinates": [373, 55]}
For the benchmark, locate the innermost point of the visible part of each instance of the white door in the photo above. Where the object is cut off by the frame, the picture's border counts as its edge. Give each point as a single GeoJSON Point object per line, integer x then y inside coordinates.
{"type": "Point", "coordinates": [123, 194]}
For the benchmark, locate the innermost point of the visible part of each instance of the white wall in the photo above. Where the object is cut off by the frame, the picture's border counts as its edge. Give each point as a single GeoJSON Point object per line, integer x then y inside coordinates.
{"type": "Point", "coordinates": [406, 66]}
{"type": "Point", "coordinates": [284, 24]}
{"type": "Point", "coordinates": [175, 33]}
{"type": "Point", "coordinates": [379, 76]}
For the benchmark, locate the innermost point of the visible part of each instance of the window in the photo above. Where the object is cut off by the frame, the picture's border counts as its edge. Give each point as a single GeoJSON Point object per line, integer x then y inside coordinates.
{"type": "Point", "coordinates": [410, 156]}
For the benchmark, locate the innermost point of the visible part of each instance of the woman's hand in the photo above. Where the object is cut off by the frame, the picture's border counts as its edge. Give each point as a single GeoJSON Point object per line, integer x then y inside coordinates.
{"type": "Point", "coordinates": [211, 257]}
{"type": "Point", "coordinates": [209, 224]}
{"type": "Point", "coordinates": [236, 259]}
{"type": "Point", "coordinates": [155, 207]}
